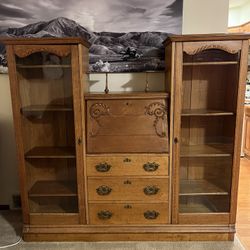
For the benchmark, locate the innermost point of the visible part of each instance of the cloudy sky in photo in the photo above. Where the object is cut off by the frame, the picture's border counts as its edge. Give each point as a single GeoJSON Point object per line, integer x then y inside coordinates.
{"type": "Point", "coordinates": [97, 15]}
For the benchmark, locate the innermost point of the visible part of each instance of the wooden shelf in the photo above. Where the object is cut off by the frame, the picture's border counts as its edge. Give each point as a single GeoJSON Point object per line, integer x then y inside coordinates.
{"type": "Point", "coordinates": [210, 63]}
{"type": "Point", "coordinates": [212, 150]}
{"type": "Point", "coordinates": [23, 66]}
{"type": "Point", "coordinates": [45, 108]}
{"type": "Point", "coordinates": [205, 112]}
{"type": "Point", "coordinates": [53, 189]}
{"type": "Point", "coordinates": [200, 187]}
{"type": "Point", "coordinates": [50, 152]}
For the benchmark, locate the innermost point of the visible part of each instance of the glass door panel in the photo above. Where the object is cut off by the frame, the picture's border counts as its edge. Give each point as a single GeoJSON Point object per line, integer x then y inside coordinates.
{"type": "Point", "coordinates": [45, 86]}
{"type": "Point", "coordinates": [209, 92]}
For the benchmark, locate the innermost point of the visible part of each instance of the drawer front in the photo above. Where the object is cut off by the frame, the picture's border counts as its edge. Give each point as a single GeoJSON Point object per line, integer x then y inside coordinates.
{"type": "Point", "coordinates": [132, 189]}
{"type": "Point", "coordinates": [127, 213]}
{"type": "Point", "coordinates": [143, 164]}
{"type": "Point", "coordinates": [119, 126]}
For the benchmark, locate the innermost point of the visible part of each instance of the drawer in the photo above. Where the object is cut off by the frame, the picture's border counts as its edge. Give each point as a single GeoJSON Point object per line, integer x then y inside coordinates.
{"type": "Point", "coordinates": [145, 189]}
{"type": "Point", "coordinates": [128, 125]}
{"type": "Point", "coordinates": [128, 213]}
{"type": "Point", "coordinates": [120, 165]}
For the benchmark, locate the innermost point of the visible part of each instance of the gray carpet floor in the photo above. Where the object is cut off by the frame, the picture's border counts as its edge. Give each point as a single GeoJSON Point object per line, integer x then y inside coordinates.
{"type": "Point", "coordinates": [11, 225]}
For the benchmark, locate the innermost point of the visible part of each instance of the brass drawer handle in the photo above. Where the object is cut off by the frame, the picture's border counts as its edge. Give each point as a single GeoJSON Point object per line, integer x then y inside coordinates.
{"type": "Point", "coordinates": [103, 190]}
{"type": "Point", "coordinates": [104, 215]}
{"type": "Point", "coordinates": [127, 160]}
{"type": "Point", "coordinates": [151, 190]}
{"type": "Point", "coordinates": [103, 167]}
{"type": "Point", "coordinates": [150, 166]}
{"type": "Point", "coordinates": [151, 214]}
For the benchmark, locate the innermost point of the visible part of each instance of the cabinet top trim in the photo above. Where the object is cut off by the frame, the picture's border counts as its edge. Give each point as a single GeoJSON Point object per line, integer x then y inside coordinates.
{"type": "Point", "coordinates": [206, 37]}
{"type": "Point", "coordinates": [44, 41]}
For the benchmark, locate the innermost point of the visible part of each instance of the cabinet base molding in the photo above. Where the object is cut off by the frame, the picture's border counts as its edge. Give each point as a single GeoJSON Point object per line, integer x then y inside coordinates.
{"type": "Point", "coordinates": [128, 233]}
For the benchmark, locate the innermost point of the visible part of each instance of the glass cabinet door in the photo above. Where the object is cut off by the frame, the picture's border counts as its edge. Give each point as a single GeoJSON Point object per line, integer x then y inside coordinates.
{"type": "Point", "coordinates": [207, 127]}
{"type": "Point", "coordinates": [47, 121]}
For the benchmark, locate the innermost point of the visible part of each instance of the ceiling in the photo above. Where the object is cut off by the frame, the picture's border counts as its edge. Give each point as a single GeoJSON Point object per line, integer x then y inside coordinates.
{"type": "Point", "coordinates": [237, 3]}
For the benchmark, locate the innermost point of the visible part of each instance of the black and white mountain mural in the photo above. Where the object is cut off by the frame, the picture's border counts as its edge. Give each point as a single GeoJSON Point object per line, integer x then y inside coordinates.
{"type": "Point", "coordinates": [125, 36]}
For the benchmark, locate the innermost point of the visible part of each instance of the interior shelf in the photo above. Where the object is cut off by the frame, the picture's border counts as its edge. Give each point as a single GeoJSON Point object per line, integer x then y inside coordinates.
{"type": "Point", "coordinates": [210, 63]}
{"type": "Point", "coordinates": [203, 150]}
{"type": "Point", "coordinates": [23, 66]}
{"type": "Point", "coordinates": [53, 188]}
{"type": "Point", "coordinates": [50, 152]}
{"type": "Point", "coordinates": [200, 187]}
{"type": "Point", "coordinates": [46, 108]}
{"type": "Point", "coordinates": [205, 112]}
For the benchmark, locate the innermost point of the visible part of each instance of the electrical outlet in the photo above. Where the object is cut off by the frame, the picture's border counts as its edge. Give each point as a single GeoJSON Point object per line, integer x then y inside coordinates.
{"type": "Point", "coordinates": [16, 199]}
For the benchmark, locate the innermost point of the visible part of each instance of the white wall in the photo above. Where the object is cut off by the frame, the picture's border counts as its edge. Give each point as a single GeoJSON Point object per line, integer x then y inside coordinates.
{"type": "Point", "coordinates": [205, 16]}
{"type": "Point", "coordinates": [8, 163]}
{"type": "Point", "coordinates": [200, 16]}
{"type": "Point", "coordinates": [239, 15]}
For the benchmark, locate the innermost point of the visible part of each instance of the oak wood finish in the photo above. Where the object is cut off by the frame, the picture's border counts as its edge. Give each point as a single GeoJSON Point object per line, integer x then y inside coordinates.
{"type": "Point", "coordinates": [128, 164]}
{"type": "Point", "coordinates": [129, 213]}
{"type": "Point", "coordinates": [119, 166]}
{"type": "Point", "coordinates": [46, 94]}
{"type": "Point", "coordinates": [129, 188]}
{"type": "Point", "coordinates": [127, 125]}
{"type": "Point", "coordinates": [208, 79]}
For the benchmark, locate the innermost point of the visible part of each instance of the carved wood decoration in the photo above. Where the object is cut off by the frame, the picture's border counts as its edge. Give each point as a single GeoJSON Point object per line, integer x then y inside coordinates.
{"type": "Point", "coordinates": [192, 48]}
{"type": "Point", "coordinates": [158, 110]}
{"type": "Point", "coordinates": [26, 50]}
{"type": "Point", "coordinates": [96, 111]}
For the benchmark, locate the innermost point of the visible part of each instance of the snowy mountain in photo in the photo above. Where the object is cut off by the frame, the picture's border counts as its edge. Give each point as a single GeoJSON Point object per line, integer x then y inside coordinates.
{"type": "Point", "coordinates": [113, 52]}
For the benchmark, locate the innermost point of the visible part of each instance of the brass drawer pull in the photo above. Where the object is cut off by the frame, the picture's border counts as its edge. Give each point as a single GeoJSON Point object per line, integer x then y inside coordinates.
{"type": "Point", "coordinates": [150, 166]}
{"type": "Point", "coordinates": [151, 190]}
{"type": "Point", "coordinates": [151, 214]}
{"type": "Point", "coordinates": [103, 167]}
{"type": "Point", "coordinates": [103, 190]}
{"type": "Point", "coordinates": [104, 215]}
{"type": "Point", "coordinates": [127, 206]}
{"type": "Point", "coordinates": [127, 160]}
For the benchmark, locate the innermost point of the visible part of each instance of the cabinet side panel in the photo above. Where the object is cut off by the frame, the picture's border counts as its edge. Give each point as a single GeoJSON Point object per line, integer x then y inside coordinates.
{"type": "Point", "coordinates": [177, 83]}
{"type": "Point", "coordinates": [15, 97]}
{"type": "Point", "coordinates": [77, 97]}
{"type": "Point", "coordinates": [238, 129]}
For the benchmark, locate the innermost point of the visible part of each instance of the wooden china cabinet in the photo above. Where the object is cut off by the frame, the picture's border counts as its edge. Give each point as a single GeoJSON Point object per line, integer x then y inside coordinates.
{"type": "Point", "coordinates": [206, 75]}
{"type": "Point", "coordinates": [131, 165]}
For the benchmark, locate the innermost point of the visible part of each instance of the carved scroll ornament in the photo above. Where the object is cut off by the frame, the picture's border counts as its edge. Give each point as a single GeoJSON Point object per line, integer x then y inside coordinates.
{"type": "Point", "coordinates": [159, 111]}
{"type": "Point", "coordinates": [96, 111]}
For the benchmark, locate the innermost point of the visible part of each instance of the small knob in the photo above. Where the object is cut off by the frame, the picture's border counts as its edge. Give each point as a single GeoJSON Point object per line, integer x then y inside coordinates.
{"type": "Point", "coordinates": [176, 140]}
{"type": "Point", "coordinates": [79, 141]}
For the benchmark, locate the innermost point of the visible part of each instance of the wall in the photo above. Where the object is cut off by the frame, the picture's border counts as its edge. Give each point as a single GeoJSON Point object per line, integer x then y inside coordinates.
{"type": "Point", "coordinates": [8, 162]}
{"type": "Point", "coordinates": [205, 16]}
{"type": "Point", "coordinates": [239, 15]}
{"type": "Point", "coordinates": [200, 16]}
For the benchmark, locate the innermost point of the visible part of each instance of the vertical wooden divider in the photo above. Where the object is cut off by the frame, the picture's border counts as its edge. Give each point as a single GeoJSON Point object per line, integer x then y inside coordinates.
{"type": "Point", "coordinates": [16, 106]}
{"type": "Point", "coordinates": [79, 137]}
{"type": "Point", "coordinates": [238, 130]}
{"type": "Point", "coordinates": [177, 88]}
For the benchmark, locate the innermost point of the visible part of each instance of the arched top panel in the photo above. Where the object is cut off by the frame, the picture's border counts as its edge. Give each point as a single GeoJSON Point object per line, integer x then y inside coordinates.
{"type": "Point", "coordinates": [26, 50]}
{"type": "Point", "coordinates": [192, 48]}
